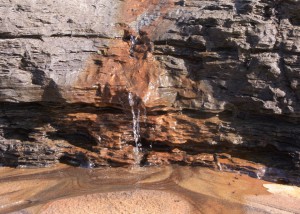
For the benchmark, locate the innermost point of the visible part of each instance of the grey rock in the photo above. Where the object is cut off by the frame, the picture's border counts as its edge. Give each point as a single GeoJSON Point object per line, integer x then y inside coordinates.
{"type": "Point", "coordinates": [228, 81]}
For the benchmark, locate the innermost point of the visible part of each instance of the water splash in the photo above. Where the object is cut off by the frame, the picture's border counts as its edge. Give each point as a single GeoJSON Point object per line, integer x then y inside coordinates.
{"type": "Point", "coordinates": [135, 127]}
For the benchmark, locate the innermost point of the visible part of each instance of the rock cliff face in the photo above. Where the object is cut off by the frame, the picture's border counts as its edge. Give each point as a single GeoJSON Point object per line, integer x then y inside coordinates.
{"type": "Point", "coordinates": [91, 83]}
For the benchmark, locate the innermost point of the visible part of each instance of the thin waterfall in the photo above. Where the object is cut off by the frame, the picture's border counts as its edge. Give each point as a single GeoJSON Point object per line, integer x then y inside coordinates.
{"type": "Point", "coordinates": [135, 127]}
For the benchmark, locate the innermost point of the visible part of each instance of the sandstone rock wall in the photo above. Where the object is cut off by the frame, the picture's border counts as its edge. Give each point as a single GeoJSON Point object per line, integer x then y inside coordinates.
{"type": "Point", "coordinates": [217, 83]}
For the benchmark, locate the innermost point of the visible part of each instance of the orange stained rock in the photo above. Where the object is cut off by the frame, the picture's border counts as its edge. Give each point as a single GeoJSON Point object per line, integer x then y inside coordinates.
{"type": "Point", "coordinates": [114, 70]}
{"type": "Point", "coordinates": [83, 116]}
{"type": "Point", "coordinates": [132, 9]}
{"type": "Point", "coordinates": [117, 72]}
{"type": "Point", "coordinates": [177, 124]}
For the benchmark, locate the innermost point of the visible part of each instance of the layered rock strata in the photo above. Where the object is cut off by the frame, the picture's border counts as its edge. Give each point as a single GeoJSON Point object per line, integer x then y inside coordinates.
{"type": "Point", "coordinates": [213, 83]}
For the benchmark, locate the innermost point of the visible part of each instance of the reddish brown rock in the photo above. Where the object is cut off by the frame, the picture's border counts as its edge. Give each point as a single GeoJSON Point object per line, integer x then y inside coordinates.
{"type": "Point", "coordinates": [205, 79]}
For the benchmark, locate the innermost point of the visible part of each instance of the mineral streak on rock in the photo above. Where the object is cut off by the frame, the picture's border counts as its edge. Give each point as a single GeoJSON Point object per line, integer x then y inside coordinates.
{"type": "Point", "coordinates": [219, 81]}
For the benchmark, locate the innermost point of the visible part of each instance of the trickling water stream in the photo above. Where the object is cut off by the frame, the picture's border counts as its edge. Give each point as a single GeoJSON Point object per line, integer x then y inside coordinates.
{"type": "Point", "coordinates": [135, 127]}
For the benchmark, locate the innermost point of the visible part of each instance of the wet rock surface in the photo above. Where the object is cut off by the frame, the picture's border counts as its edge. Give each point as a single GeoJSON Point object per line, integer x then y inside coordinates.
{"type": "Point", "coordinates": [215, 83]}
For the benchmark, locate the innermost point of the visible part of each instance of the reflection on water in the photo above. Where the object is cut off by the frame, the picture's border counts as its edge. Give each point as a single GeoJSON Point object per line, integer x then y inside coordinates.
{"type": "Point", "coordinates": [172, 189]}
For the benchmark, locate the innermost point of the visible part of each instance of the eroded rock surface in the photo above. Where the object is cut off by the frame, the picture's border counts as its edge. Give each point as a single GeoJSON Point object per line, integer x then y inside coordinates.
{"type": "Point", "coordinates": [214, 83]}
